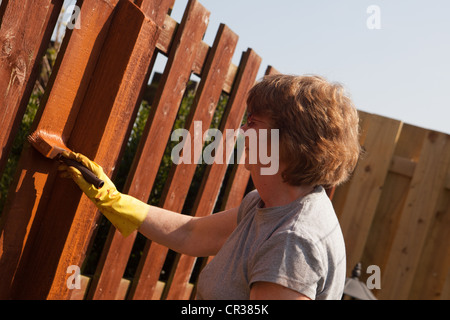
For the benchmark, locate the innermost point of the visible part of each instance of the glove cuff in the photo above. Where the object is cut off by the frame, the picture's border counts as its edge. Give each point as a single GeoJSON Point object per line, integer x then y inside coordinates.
{"type": "Point", "coordinates": [125, 212]}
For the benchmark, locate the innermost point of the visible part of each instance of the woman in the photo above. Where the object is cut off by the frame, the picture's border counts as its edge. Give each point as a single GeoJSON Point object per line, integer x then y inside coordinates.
{"type": "Point", "coordinates": [284, 240]}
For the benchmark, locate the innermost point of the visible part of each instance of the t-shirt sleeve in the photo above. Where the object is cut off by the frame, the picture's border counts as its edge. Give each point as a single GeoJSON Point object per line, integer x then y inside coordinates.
{"type": "Point", "coordinates": [289, 260]}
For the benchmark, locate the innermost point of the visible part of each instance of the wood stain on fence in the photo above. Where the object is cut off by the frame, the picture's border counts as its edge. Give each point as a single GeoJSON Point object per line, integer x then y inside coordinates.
{"type": "Point", "coordinates": [400, 187]}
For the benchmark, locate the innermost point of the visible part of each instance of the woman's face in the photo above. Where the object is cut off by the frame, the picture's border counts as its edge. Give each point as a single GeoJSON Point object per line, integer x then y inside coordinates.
{"type": "Point", "coordinates": [261, 144]}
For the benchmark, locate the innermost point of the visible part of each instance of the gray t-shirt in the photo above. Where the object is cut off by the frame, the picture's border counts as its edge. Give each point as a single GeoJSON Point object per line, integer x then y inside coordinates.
{"type": "Point", "coordinates": [299, 246]}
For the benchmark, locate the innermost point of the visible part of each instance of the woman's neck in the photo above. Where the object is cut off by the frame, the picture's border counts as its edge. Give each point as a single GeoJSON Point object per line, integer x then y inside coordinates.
{"type": "Point", "coordinates": [274, 192]}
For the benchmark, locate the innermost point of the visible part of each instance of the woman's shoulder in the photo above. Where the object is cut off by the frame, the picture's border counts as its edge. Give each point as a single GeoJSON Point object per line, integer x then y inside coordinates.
{"type": "Point", "coordinates": [250, 200]}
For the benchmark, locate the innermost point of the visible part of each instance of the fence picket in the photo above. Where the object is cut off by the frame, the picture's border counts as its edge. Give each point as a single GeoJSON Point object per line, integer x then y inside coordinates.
{"type": "Point", "coordinates": [417, 216]}
{"type": "Point", "coordinates": [176, 75]}
{"type": "Point", "coordinates": [25, 31]}
{"type": "Point", "coordinates": [365, 188]}
{"type": "Point", "coordinates": [114, 256]}
{"type": "Point", "coordinates": [392, 199]}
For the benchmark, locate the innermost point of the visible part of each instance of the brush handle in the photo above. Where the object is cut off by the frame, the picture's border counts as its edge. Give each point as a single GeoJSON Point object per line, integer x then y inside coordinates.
{"type": "Point", "coordinates": [88, 175]}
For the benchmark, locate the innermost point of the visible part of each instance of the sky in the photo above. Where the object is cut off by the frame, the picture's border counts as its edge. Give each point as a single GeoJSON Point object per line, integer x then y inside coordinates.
{"type": "Point", "coordinates": [393, 60]}
{"type": "Point", "coordinates": [401, 70]}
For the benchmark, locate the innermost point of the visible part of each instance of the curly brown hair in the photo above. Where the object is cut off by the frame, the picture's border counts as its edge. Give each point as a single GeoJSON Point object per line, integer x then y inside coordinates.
{"type": "Point", "coordinates": [318, 127]}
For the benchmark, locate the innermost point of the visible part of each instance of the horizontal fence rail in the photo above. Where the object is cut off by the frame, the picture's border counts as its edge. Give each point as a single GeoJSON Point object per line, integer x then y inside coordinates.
{"type": "Point", "coordinates": [102, 100]}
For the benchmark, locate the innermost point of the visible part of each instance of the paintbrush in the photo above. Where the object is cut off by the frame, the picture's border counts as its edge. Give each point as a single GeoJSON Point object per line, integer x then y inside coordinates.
{"type": "Point", "coordinates": [51, 146]}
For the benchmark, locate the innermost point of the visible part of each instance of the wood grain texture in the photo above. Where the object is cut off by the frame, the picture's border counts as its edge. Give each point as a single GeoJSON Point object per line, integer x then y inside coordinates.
{"type": "Point", "coordinates": [115, 86]}
{"type": "Point", "coordinates": [364, 190]}
{"type": "Point", "coordinates": [25, 31]}
{"type": "Point", "coordinates": [159, 125]}
{"type": "Point", "coordinates": [59, 108]}
{"type": "Point", "coordinates": [417, 216]}
{"type": "Point", "coordinates": [117, 249]}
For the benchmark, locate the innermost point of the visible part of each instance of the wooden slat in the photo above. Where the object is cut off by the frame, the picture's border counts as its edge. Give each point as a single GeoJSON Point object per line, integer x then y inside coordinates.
{"type": "Point", "coordinates": [215, 173]}
{"type": "Point", "coordinates": [235, 189]}
{"type": "Point", "coordinates": [59, 108]}
{"type": "Point", "coordinates": [392, 200]}
{"type": "Point", "coordinates": [157, 293]}
{"type": "Point", "coordinates": [164, 110]}
{"type": "Point", "coordinates": [116, 84]}
{"type": "Point", "coordinates": [434, 264]}
{"type": "Point", "coordinates": [238, 181]}
{"type": "Point", "coordinates": [123, 289]}
{"type": "Point", "coordinates": [78, 294]}
{"type": "Point", "coordinates": [202, 110]}
{"type": "Point", "coordinates": [364, 190]}
{"type": "Point", "coordinates": [156, 10]}
{"type": "Point", "coordinates": [167, 35]}
{"type": "Point", "coordinates": [25, 31]}
{"type": "Point", "coordinates": [114, 256]}
{"type": "Point", "coordinates": [416, 217]}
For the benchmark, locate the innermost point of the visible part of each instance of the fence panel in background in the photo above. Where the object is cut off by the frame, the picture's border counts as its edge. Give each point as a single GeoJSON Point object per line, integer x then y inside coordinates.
{"type": "Point", "coordinates": [395, 209]}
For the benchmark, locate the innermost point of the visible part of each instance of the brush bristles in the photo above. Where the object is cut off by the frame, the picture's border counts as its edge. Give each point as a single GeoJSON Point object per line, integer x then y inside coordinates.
{"type": "Point", "coordinates": [49, 145]}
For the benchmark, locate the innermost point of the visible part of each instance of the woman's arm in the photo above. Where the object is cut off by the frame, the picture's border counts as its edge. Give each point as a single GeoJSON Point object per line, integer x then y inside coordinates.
{"type": "Point", "coordinates": [185, 234]}
{"type": "Point", "coordinates": [195, 236]}
{"type": "Point", "coordinates": [272, 291]}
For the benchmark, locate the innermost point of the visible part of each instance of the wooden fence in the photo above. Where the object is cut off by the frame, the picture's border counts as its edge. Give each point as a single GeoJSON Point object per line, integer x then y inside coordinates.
{"type": "Point", "coordinates": [394, 211]}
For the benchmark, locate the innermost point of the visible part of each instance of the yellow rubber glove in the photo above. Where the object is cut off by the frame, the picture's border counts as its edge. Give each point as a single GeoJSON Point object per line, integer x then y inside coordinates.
{"type": "Point", "coordinates": [125, 212]}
